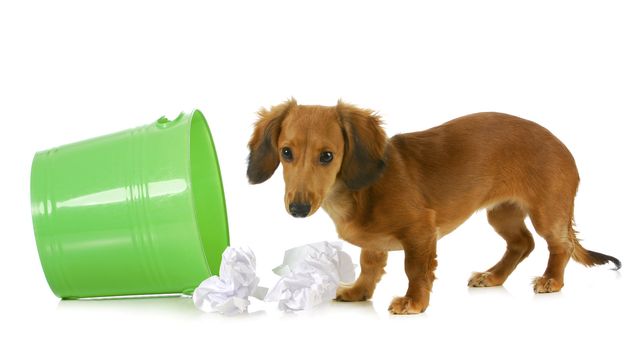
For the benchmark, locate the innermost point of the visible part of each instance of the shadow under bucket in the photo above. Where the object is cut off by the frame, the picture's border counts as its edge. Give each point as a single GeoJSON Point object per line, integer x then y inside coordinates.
{"type": "Point", "coordinates": [137, 212]}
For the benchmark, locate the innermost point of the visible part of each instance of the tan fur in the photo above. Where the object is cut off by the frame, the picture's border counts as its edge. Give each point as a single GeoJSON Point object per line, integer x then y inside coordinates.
{"type": "Point", "coordinates": [406, 192]}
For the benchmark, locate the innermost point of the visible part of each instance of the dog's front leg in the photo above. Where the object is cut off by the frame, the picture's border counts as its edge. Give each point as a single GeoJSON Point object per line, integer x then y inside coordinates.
{"type": "Point", "coordinates": [372, 263]}
{"type": "Point", "coordinates": [420, 263]}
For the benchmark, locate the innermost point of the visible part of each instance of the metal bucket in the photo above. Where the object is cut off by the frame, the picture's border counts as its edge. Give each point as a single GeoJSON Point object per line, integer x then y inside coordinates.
{"type": "Point", "coordinates": [137, 212]}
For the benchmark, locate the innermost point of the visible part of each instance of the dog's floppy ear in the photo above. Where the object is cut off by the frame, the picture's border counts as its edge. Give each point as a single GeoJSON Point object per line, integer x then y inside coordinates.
{"type": "Point", "coordinates": [364, 146]}
{"type": "Point", "coordinates": [264, 158]}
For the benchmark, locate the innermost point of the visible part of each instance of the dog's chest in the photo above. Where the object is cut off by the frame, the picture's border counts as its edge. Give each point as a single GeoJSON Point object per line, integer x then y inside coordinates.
{"type": "Point", "coordinates": [367, 238]}
{"type": "Point", "coordinates": [339, 208]}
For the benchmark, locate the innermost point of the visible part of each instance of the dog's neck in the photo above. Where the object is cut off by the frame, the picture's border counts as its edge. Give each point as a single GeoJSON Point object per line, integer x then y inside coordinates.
{"type": "Point", "coordinates": [339, 203]}
{"type": "Point", "coordinates": [343, 205]}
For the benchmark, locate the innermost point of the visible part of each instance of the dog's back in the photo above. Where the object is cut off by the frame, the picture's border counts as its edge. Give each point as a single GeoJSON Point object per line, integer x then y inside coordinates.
{"type": "Point", "coordinates": [486, 158]}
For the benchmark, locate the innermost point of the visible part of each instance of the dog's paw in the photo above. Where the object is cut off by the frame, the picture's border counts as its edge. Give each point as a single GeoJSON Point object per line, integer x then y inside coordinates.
{"type": "Point", "coordinates": [546, 285]}
{"type": "Point", "coordinates": [484, 279]}
{"type": "Point", "coordinates": [405, 306]}
{"type": "Point", "coordinates": [352, 293]}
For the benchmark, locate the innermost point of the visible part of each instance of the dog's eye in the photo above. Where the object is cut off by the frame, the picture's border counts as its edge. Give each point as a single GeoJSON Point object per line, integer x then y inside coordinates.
{"type": "Point", "coordinates": [326, 157]}
{"type": "Point", "coordinates": [287, 154]}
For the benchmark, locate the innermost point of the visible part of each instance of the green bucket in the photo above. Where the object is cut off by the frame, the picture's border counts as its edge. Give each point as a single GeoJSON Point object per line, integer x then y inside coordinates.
{"type": "Point", "coordinates": [137, 212]}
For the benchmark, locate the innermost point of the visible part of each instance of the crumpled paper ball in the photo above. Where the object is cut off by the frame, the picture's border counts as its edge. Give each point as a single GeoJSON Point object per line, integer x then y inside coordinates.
{"type": "Point", "coordinates": [310, 275]}
{"type": "Point", "coordinates": [228, 293]}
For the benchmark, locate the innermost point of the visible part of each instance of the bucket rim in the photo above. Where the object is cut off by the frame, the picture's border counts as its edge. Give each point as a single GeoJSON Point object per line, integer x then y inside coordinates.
{"type": "Point", "coordinates": [196, 114]}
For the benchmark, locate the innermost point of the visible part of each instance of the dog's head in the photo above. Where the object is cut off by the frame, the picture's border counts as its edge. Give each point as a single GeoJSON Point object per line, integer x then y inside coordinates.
{"type": "Point", "coordinates": [317, 146]}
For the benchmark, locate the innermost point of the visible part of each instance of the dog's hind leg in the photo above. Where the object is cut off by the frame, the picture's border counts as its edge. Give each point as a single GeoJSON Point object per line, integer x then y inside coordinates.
{"type": "Point", "coordinates": [508, 221]}
{"type": "Point", "coordinates": [554, 225]}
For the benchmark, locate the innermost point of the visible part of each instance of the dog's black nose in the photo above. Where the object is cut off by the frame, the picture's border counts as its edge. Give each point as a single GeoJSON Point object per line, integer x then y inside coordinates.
{"type": "Point", "coordinates": [299, 210]}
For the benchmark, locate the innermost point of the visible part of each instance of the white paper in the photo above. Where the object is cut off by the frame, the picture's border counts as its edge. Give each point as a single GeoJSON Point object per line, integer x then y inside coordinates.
{"type": "Point", "coordinates": [310, 275]}
{"type": "Point", "coordinates": [228, 293]}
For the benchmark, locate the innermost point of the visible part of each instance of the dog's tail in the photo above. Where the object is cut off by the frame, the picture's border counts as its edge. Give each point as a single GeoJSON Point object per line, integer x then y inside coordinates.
{"type": "Point", "coordinates": [588, 257]}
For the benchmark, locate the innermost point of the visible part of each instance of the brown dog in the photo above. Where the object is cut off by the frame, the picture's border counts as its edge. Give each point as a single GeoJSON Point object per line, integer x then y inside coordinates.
{"type": "Point", "coordinates": [406, 192]}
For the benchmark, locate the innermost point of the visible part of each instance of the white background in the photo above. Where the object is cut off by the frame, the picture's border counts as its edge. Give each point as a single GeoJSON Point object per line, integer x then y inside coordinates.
{"type": "Point", "coordinates": [75, 70]}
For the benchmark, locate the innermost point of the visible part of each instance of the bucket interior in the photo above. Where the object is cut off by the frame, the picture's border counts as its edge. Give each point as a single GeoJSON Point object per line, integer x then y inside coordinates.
{"type": "Point", "coordinates": [208, 193]}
